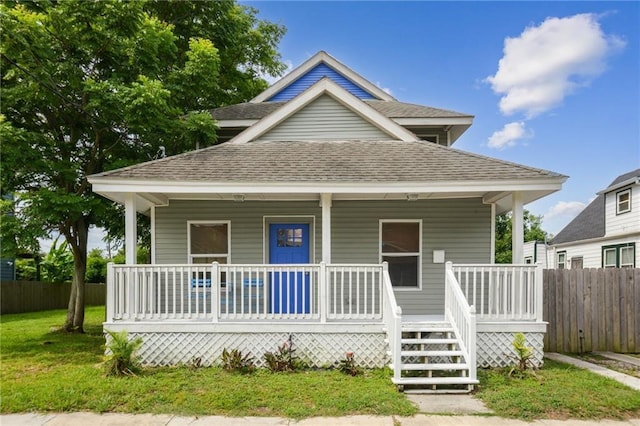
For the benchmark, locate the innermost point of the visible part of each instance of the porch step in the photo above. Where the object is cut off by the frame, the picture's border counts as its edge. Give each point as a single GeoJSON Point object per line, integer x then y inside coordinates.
{"type": "Point", "coordinates": [427, 328]}
{"type": "Point", "coordinates": [432, 353]}
{"type": "Point", "coordinates": [437, 366]}
{"type": "Point", "coordinates": [434, 381]}
{"type": "Point", "coordinates": [428, 341]}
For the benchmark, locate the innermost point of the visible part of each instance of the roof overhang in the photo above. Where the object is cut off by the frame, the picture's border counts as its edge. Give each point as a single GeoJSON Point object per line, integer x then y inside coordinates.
{"type": "Point", "coordinates": [633, 181]}
{"type": "Point", "coordinates": [160, 193]}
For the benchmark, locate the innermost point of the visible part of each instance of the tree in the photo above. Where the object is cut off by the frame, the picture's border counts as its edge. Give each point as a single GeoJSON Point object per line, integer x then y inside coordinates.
{"type": "Point", "coordinates": [91, 86]}
{"type": "Point", "coordinates": [532, 232]}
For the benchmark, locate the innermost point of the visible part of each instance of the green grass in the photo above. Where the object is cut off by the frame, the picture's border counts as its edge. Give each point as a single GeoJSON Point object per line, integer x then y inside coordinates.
{"type": "Point", "coordinates": [46, 370]}
{"type": "Point", "coordinates": [560, 391]}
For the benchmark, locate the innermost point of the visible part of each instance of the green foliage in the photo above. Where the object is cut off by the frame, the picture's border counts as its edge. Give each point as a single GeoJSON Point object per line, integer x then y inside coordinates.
{"type": "Point", "coordinates": [532, 232]}
{"type": "Point", "coordinates": [348, 365]}
{"type": "Point", "coordinates": [57, 265]}
{"type": "Point", "coordinates": [96, 267]}
{"type": "Point", "coordinates": [91, 86]}
{"type": "Point", "coordinates": [26, 270]}
{"type": "Point", "coordinates": [524, 357]}
{"type": "Point", "coordinates": [283, 359]}
{"type": "Point", "coordinates": [122, 360]}
{"type": "Point", "coordinates": [235, 361]}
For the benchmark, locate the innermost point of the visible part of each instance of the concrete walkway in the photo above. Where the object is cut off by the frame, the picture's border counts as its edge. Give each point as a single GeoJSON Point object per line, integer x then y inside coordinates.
{"type": "Point", "coordinates": [625, 379]}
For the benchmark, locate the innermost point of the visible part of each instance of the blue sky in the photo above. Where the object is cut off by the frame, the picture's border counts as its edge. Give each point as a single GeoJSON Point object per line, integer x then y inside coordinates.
{"type": "Point", "coordinates": [563, 96]}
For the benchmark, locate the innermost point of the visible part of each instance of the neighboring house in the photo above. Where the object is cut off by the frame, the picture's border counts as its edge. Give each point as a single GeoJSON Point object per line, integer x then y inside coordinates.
{"type": "Point", "coordinates": [331, 213]}
{"type": "Point", "coordinates": [536, 252]}
{"type": "Point", "coordinates": [606, 234]}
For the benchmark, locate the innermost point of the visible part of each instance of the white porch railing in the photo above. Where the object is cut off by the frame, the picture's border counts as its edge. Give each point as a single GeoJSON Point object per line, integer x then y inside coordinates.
{"type": "Point", "coordinates": [313, 292]}
{"type": "Point", "coordinates": [393, 322]}
{"type": "Point", "coordinates": [462, 317]}
{"type": "Point", "coordinates": [502, 292]}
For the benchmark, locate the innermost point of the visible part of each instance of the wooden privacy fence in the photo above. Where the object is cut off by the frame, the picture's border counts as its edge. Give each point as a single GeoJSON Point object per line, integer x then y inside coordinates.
{"type": "Point", "coordinates": [592, 310]}
{"type": "Point", "coordinates": [32, 296]}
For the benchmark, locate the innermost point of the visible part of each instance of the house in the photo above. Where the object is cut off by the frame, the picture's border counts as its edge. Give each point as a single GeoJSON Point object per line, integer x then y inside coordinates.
{"type": "Point", "coordinates": [606, 233]}
{"type": "Point", "coordinates": [536, 252]}
{"type": "Point", "coordinates": [339, 217]}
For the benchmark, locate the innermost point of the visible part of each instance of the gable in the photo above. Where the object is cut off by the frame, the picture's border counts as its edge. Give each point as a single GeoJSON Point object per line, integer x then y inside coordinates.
{"type": "Point", "coordinates": [315, 74]}
{"type": "Point", "coordinates": [325, 119]}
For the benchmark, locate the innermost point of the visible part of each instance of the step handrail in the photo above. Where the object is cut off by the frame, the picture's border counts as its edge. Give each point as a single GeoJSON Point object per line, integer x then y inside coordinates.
{"type": "Point", "coordinates": [393, 321]}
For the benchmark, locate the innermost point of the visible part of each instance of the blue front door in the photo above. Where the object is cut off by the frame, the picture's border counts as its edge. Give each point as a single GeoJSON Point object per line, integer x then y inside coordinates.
{"type": "Point", "coordinates": [290, 291]}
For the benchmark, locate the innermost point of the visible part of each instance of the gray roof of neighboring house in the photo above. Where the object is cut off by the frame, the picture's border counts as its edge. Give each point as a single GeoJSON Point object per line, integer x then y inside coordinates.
{"type": "Point", "coordinates": [329, 162]}
{"type": "Point", "coordinates": [391, 109]}
{"type": "Point", "coordinates": [590, 223]}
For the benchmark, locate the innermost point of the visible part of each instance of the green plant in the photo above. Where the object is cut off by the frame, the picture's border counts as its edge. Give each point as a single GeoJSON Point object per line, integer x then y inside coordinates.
{"type": "Point", "coordinates": [284, 359]}
{"type": "Point", "coordinates": [234, 360]}
{"type": "Point", "coordinates": [348, 365]}
{"type": "Point", "coordinates": [523, 357]}
{"type": "Point", "coordinates": [123, 359]}
{"type": "Point", "coordinates": [57, 265]}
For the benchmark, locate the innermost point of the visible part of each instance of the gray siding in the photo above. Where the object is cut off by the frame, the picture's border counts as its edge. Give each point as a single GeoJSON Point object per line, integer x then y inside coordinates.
{"type": "Point", "coordinates": [327, 119]}
{"type": "Point", "coordinates": [460, 227]}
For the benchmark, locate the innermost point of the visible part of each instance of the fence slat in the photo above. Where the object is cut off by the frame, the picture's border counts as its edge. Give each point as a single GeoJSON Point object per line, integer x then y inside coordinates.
{"type": "Point", "coordinates": [32, 296]}
{"type": "Point", "coordinates": [603, 303]}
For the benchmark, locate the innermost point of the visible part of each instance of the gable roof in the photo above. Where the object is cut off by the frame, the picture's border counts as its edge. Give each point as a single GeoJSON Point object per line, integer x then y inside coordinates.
{"type": "Point", "coordinates": [319, 58]}
{"type": "Point", "coordinates": [590, 222]}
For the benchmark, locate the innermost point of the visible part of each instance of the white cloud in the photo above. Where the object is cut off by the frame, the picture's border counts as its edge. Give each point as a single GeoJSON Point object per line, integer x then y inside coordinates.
{"type": "Point", "coordinates": [385, 89]}
{"type": "Point", "coordinates": [547, 62]}
{"type": "Point", "coordinates": [567, 209]}
{"type": "Point", "coordinates": [509, 134]}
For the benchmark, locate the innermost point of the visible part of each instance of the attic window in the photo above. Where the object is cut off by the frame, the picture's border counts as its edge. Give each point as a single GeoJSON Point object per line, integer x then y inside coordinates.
{"type": "Point", "coordinates": [623, 201]}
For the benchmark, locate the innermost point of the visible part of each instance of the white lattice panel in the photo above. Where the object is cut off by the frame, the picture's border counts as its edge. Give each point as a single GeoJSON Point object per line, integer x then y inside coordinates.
{"type": "Point", "coordinates": [496, 349]}
{"type": "Point", "coordinates": [317, 349]}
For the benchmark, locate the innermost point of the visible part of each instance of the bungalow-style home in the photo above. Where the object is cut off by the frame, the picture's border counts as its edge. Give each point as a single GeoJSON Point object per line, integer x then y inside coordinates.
{"type": "Point", "coordinates": [606, 233]}
{"type": "Point", "coordinates": [335, 217]}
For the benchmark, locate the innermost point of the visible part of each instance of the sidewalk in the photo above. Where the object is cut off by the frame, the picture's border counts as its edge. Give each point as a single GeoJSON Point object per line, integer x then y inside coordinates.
{"type": "Point", "coordinates": [83, 419]}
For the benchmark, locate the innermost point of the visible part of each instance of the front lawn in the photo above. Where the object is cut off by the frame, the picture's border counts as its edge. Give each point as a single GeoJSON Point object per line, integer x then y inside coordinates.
{"type": "Point", "coordinates": [46, 370]}
{"type": "Point", "coordinates": [560, 391]}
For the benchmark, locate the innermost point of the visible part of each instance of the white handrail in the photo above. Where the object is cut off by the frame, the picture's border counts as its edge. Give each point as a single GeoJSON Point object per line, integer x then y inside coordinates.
{"type": "Point", "coordinates": [462, 318]}
{"type": "Point", "coordinates": [393, 321]}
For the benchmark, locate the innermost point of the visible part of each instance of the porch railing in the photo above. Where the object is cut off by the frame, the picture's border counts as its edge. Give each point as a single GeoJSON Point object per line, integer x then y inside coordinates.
{"type": "Point", "coordinates": [462, 317]}
{"type": "Point", "coordinates": [502, 292]}
{"type": "Point", "coordinates": [393, 322]}
{"type": "Point", "coordinates": [216, 292]}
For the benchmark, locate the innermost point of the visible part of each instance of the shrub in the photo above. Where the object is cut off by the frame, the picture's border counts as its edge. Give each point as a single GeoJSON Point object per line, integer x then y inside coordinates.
{"type": "Point", "coordinates": [283, 359]}
{"type": "Point", "coordinates": [348, 365]}
{"type": "Point", "coordinates": [235, 361]}
{"type": "Point", "coordinates": [123, 360]}
{"type": "Point", "coordinates": [523, 357]}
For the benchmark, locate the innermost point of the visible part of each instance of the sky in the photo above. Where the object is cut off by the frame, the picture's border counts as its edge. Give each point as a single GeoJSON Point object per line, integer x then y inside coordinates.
{"type": "Point", "coordinates": [552, 85]}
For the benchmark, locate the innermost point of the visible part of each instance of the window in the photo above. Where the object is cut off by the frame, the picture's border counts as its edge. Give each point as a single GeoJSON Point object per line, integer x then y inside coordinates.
{"type": "Point", "coordinates": [562, 259]}
{"type": "Point", "coordinates": [528, 260]}
{"type": "Point", "coordinates": [623, 204]}
{"type": "Point", "coordinates": [401, 246]}
{"type": "Point", "coordinates": [209, 242]}
{"type": "Point", "coordinates": [619, 256]}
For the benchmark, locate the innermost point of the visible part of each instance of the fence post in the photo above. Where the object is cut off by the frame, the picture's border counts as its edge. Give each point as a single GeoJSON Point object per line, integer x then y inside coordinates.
{"type": "Point", "coordinates": [324, 283]}
{"type": "Point", "coordinates": [216, 288]}
{"type": "Point", "coordinates": [111, 294]}
{"type": "Point", "coordinates": [539, 294]}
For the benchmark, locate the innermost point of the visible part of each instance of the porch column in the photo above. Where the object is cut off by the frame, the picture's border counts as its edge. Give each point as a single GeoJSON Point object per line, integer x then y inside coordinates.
{"type": "Point", "coordinates": [325, 203]}
{"type": "Point", "coordinates": [517, 229]}
{"type": "Point", "coordinates": [130, 229]}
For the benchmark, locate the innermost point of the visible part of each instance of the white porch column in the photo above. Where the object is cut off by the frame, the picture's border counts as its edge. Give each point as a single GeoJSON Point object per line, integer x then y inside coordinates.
{"type": "Point", "coordinates": [325, 203]}
{"type": "Point", "coordinates": [517, 229]}
{"type": "Point", "coordinates": [130, 229]}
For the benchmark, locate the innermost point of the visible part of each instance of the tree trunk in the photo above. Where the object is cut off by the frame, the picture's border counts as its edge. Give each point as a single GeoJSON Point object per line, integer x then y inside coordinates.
{"type": "Point", "coordinates": [75, 309]}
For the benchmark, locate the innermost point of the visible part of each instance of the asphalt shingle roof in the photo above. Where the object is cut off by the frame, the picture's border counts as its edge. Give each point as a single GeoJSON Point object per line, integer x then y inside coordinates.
{"type": "Point", "coordinates": [590, 222]}
{"type": "Point", "coordinates": [329, 162]}
{"type": "Point", "coordinates": [390, 109]}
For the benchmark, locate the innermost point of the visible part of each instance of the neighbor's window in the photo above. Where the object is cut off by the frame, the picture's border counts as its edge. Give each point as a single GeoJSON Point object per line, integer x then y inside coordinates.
{"type": "Point", "coordinates": [528, 260]}
{"type": "Point", "coordinates": [623, 201]}
{"type": "Point", "coordinates": [209, 242]}
{"type": "Point", "coordinates": [619, 256]}
{"type": "Point", "coordinates": [400, 246]}
{"type": "Point", "coordinates": [562, 260]}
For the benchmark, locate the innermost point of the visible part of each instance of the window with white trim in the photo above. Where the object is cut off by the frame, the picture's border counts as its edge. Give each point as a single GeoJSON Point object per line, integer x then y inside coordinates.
{"type": "Point", "coordinates": [562, 259]}
{"type": "Point", "coordinates": [623, 201]}
{"type": "Point", "coordinates": [209, 242]}
{"type": "Point", "coordinates": [619, 256]}
{"type": "Point", "coordinates": [401, 248]}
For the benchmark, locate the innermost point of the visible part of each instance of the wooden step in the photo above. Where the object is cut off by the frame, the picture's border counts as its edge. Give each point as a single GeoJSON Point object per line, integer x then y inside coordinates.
{"type": "Point", "coordinates": [435, 381]}
{"type": "Point", "coordinates": [439, 367]}
{"type": "Point", "coordinates": [427, 329]}
{"type": "Point", "coordinates": [431, 353]}
{"type": "Point", "coordinates": [427, 341]}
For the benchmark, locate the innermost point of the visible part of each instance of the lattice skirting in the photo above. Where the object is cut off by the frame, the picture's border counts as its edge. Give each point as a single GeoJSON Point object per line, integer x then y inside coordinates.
{"type": "Point", "coordinates": [495, 349]}
{"type": "Point", "coordinates": [316, 349]}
